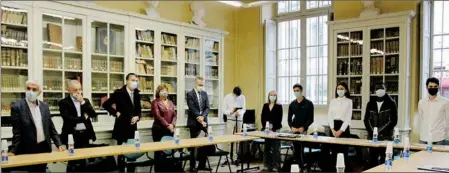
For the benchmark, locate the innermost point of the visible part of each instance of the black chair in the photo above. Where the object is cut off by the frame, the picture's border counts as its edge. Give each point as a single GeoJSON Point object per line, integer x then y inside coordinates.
{"type": "Point", "coordinates": [131, 159]}
{"type": "Point", "coordinates": [219, 153]}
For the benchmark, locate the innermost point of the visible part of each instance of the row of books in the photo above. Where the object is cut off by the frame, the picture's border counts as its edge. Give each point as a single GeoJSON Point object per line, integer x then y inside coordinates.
{"type": "Point", "coordinates": [211, 59]}
{"type": "Point", "coordinates": [192, 42]}
{"type": "Point", "coordinates": [116, 66]}
{"type": "Point", "coordinates": [14, 16]}
{"type": "Point", "coordinates": [52, 62]}
{"type": "Point", "coordinates": [14, 57]}
{"type": "Point", "coordinates": [14, 37]}
{"type": "Point", "coordinates": [171, 85]}
{"type": "Point", "coordinates": [144, 51]}
{"type": "Point", "coordinates": [169, 53]}
{"type": "Point", "coordinates": [168, 39]}
{"type": "Point", "coordinates": [146, 84]}
{"type": "Point", "coordinates": [169, 70]}
{"type": "Point", "coordinates": [13, 82]}
{"type": "Point", "coordinates": [52, 83]}
{"type": "Point", "coordinates": [144, 67]}
{"type": "Point", "coordinates": [212, 45]}
{"type": "Point", "coordinates": [192, 70]}
{"type": "Point", "coordinates": [73, 63]}
{"type": "Point", "coordinates": [192, 56]}
{"type": "Point", "coordinates": [377, 65]}
{"type": "Point", "coordinates": [146, 35]}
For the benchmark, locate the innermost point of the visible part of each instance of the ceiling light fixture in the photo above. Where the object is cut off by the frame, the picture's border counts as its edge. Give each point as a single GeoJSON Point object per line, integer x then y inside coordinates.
{"type": "Point", "coordinates": [233, 3]}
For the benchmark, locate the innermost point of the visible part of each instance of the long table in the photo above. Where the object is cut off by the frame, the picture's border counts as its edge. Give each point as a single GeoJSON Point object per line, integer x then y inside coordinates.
{"type": "Point", "coordinates": [34, 159]}
{"type": "Point", "coordinates": [345, 141]}
{"type": "Point", "coordinates": [435, 159]}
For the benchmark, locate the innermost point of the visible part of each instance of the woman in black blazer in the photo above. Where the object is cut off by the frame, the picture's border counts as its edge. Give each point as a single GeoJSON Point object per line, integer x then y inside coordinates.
{"type": "Point", "coordinates": [272, 113]}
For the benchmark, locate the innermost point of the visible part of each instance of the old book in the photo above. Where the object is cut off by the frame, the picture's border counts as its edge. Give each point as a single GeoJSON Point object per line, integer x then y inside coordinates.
{"type": "Point", "coordinates": [101, 40]}
{"type": "Point", "coordinates": [79, 43]}
{"type": "Point", "coordinates": [54, 35]}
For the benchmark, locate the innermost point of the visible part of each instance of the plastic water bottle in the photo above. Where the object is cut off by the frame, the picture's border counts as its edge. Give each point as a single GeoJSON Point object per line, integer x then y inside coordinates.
{"type": "Point", "coordinates": [245, 130]}
{"type": "Point", "coordinates": [315, 133]}
{"type": "Point", "coordinates": [137, 139]}
{"type": "Point", "coordinates": [210, 134]}
{"type": "Point", "coordinates": [294, 168]}
{"type": "Point", "coordinates": [389, 157]}
{"type": "Point", "coordinates": [267, 128]}
{"type": "Point", "coordinates": [406, 151]}
{"type": "Point", "coordinates": [396, 135]}
{"type": "Point", "coordinates": [340, 162]}
{"type": "Point", "coordinates": [177, 131]}
{"type": "Point", "coordinates": [429, 147]}
{"type": "Point", "coordinates": [71, 144]}
{"type": "Point", "coordinates": [5, 156]}
{"type": "Point", "coordinates": [375, 134]}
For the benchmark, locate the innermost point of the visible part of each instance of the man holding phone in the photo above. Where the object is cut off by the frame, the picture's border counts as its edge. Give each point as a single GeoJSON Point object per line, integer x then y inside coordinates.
{"type": "Point", "coordinates": [234, 106]}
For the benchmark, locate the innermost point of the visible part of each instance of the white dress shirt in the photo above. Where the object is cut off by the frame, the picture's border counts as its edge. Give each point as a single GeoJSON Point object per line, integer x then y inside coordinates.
{"type": "Point", "coordinates": [131, 95]}
{"type": "Point", "coordinates": [79, 126]}
{"type": "Point", "coordinates": [230, 102]}
{"type": "Point", "coordinates": [37, 118]}
{"type": "Point", "coordinates": [340, 109]}
{"type": "Point", "coordinates": [379, 105]}
{"type": "Point", "coordinates": [434, 118]}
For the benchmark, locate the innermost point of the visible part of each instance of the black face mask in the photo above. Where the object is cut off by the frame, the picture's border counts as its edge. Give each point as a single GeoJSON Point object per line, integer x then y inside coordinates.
{"type": "Point", "coordinates": [432, 91]}
{"type": "Point", "coordinates": [238, 93]}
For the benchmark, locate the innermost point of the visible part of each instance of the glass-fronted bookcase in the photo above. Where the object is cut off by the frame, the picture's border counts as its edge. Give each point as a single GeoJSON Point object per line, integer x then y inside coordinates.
{"type": "Point", "coordinates": [367, 51]}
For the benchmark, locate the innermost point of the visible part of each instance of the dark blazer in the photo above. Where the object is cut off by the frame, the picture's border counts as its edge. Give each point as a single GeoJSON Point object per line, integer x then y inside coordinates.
{"type": "Point", "coordinates": [122, 128]}
{"type": "Point", "coordinates": [194, 108]}
{"type": "Point", "coordinates": [274, 116]}
{"type": "Point", "coordinates": [385, 120]}
{"type": "Point", "coordinates": [163, 116]}
{"type": "Point", "coordinates": [24, 138]}
{"type": "Point", "coordinates": [70, 117]}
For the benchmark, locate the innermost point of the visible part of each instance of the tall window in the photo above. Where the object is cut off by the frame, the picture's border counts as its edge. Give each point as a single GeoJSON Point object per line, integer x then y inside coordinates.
{"type": "Point", "coordinates": [440, 38]}
{"type": "Point", "coordinates": [302, 40]}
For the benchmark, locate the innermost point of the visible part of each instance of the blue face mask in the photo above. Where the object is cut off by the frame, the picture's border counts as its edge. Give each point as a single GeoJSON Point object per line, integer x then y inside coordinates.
{"type": "Point", "coordinates": [133, 85]}
{"type": "Point", "coordinates": [31, 96]}
{"type": "Point", "coordinates": [73, 96]}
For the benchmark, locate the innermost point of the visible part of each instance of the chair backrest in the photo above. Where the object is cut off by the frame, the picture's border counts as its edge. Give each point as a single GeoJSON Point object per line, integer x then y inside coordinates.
{"type": "Point", "coordinates": [167, 138]}
{"type": "Point", "coordinates": [249, 117]}
{"type": "Point", "coordinates": [135, 155]}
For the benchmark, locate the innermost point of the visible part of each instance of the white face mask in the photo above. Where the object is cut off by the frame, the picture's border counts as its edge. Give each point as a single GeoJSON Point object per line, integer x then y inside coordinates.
{"type": "Point", "coordinates": [380, 92]}
{"type": "Point", "coordinates": [200, 88]}
{"type": "Point", "coordinates": [163, 94]}
{"type": "Point", "coordinates": [272, 98]}
{"type": "Point", "coordinates": [341, 93]}
{"type": "Point", "coordinates": [298, 94]}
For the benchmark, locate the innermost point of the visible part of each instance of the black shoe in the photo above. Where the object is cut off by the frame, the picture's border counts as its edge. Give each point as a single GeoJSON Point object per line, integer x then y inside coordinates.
{"type": "Point", "coordinates": [203, 168]}
{"type": "Point", "coordinates": [193, 170]}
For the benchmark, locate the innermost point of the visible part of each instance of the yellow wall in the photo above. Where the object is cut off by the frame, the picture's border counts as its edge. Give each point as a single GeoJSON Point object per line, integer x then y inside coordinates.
{"type": "Point", "coordinates": [218, 16]}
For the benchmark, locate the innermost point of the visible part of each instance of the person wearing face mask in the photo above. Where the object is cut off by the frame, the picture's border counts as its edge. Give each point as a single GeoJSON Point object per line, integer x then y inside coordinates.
{"type": "Point", "coordinates": [300, 117]}
{"type": "Point", "coordinates": [272, 113]}
{"type": "Point", "coordinates": [32, 127]}
{"type": "Point", "coordinates": [126, 112]}
{"type": "Point", "coordinates": [381, 112]}
{"type": "Point", "coordinates": [198, 103]}
{"type": "Point", "coordinates": [164, 123]}
{"type": "Point", "coordinates": [339, 118]}
{"type": "Point", "coordinates": [433, 115]}
{"type": "Point", "coordinates": [234, 108]}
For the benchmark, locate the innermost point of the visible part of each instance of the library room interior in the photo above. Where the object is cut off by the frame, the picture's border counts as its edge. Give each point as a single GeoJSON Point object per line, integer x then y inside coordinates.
{"type": "Point", "coordinates": [224, 86]}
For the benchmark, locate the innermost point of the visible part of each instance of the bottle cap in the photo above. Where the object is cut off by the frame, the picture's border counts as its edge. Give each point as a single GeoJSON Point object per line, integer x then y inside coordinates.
{"type": "Point", "coordinates": [389, 147]}
{"type": "Point", "coordinates": [375, 130]}
{"type": "Point", "coordinates": [70, 139]}
{"type": "Point", "coordinates": [294, 168]}
{"type": "Point", "coordinates": [136, 135]}
{"type": "Point", "coordinates": [340, 160]}
{"type": "Point", "coordinates": [177, 131]}
{"type": "Point", "coordinates": [4, 144]}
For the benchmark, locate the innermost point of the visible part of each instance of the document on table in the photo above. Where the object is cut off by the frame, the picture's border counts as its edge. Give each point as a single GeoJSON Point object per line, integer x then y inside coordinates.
{"type": "Point", "coordinates": [434, 169]}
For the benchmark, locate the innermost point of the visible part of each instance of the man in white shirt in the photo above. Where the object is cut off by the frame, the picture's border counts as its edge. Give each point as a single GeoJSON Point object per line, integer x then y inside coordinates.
{"type": "Point", "coordinates": [433, 114]}
{"type": "Point", "coordinates": [32, 127]}
{"type": "Point", "coordinates": [234, 107]}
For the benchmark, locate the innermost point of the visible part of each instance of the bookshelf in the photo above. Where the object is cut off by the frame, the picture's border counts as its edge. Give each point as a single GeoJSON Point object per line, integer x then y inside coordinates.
{"type": "Point", "coordinates": [144, 64]}
{"type": "Point", "coordinates": [192, 64]}
{"type": "Point", "coordinates": [365, 51]}
{"type": "Point", "coordinates": [211, 70]}
{"type": "Point", "coordinates": [169, 64]}
{"type": "Point", "coordinates": [107, 60]}
{"type": "Point", "coordinates": [14, 51]}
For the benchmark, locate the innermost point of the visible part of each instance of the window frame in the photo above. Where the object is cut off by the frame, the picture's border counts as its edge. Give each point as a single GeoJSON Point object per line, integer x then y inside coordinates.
{"type": "Point", "coordinates": [302, 15]}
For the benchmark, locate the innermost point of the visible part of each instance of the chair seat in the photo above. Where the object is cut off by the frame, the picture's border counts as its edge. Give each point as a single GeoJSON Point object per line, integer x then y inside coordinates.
{"type": "Point", "coordinates": [219, 153]}
{"type": "Point", "coordinates": [259, 140]}
{"type": "Point", "coordinates": [314, 150]}
{"type": "Point", "coordinates": [144, 163]}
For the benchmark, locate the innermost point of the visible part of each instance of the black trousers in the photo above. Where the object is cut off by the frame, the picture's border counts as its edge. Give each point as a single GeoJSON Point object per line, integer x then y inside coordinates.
{"type": "Point", "coordinates": [42, 147]}
{"type": "Point", "coordinates": [374, 154]}
{"type": "Point", "coordinates": [158, 132]}
{"type": "Point", "coordinates": [200, 156]}
{"type": "Point", "coordinates": [121, 163]}
{"type": "Point", "coordinates": [81, 141]}
{"type": "Point", "coordinates": [335, 149]}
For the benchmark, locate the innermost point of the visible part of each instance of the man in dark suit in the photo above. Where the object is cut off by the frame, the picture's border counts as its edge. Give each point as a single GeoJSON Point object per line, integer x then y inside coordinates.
{"type": "Point", "coordinates": [197, 119]}
{"type": "Point", "coordinates": [127, 112]}
{"type": "Point", "coordinates": [32, 127]}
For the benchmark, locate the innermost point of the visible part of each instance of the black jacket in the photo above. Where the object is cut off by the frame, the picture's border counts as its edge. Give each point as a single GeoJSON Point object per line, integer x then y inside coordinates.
{"type": "Point", "coordinates": [385, 120]}
{"type": "Point", "coordinates": [303, 114]}
{"type": "Point", "coordinates": [274, 116]}
{"type": "Point", "coordinates": [122, 128]}
{"type": "Point", "coordinates": [24, 140]}
{"type": "Point", "coordinates": [70, 117]}
{"type": "Point", "coordinates": [194, 108]}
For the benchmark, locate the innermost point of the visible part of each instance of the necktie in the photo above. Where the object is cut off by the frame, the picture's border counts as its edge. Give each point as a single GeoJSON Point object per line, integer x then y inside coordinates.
{"type": "Point", "coordinates": [199, 101]}
{"type": "Point", "coordinates": [132, 97]}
